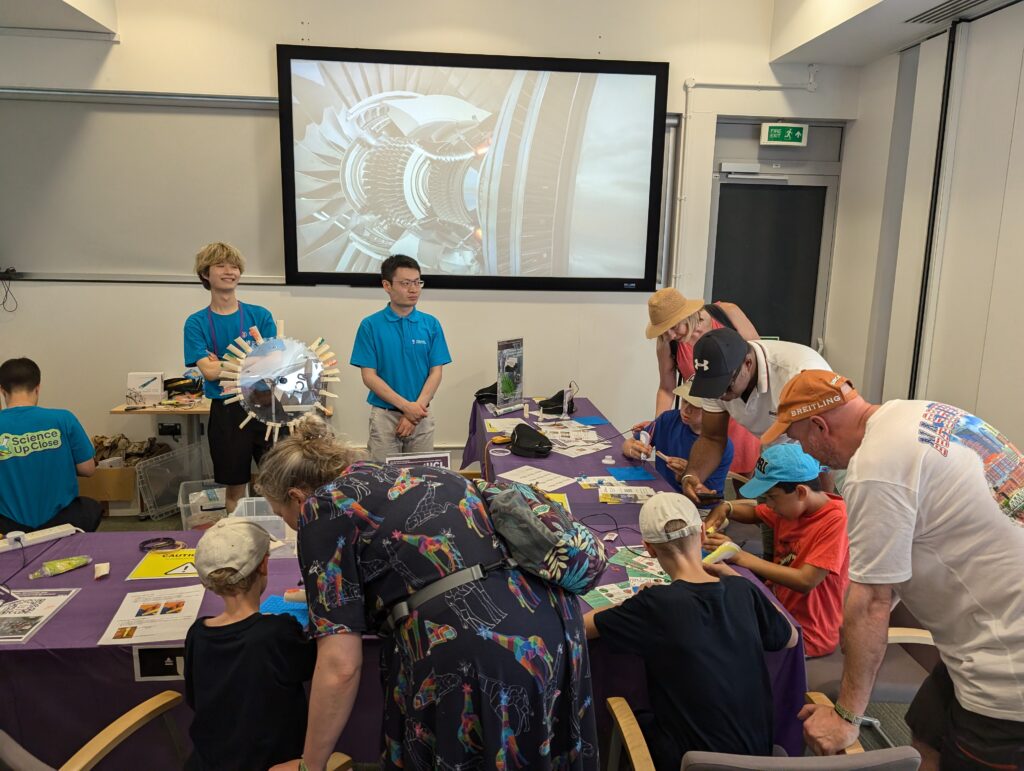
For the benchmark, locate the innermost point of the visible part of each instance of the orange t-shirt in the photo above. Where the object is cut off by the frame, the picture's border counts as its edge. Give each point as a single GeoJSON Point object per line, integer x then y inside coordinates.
{"type": "Point", "coordinates": [818, 539]}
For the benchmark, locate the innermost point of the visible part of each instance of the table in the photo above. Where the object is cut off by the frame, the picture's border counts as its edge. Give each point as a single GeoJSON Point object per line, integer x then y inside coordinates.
{"type": "Point", "coordinates": [620, 675]}
{"type": "Point", "coordinates": [60, 688]}
{"type": "Point", "coordinates": [192, 415]}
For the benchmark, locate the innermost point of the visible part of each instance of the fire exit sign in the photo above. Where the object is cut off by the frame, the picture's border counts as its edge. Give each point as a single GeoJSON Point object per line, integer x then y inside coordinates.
{"type": "Point", "coordinates": [792, 134]}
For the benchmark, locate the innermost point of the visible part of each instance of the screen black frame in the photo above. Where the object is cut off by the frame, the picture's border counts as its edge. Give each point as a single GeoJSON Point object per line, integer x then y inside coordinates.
{"type": "Point", "coordinates": [293, 276]}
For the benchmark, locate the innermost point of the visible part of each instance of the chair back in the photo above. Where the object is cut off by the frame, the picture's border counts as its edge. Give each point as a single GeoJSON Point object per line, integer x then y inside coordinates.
{"type": "Point", "coordinates": [895, 759]}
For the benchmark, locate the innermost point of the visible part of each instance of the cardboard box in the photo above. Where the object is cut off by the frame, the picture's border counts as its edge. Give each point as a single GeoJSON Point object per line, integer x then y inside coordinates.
{"type": "Point", "coordinates": [109, 484]}
{"type": "Point", "coordinates": [145, 388]}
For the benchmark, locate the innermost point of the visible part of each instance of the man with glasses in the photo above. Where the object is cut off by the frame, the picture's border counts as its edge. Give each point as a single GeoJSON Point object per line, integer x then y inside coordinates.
{"type": "Point", "coordinates": [400, 352]}
{"type": "Point", "coordinates": [741, 381]}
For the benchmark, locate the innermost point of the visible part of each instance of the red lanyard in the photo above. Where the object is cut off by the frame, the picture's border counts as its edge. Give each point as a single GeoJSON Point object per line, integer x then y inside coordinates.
{"type": "Point", "coordinates": [213, 333]}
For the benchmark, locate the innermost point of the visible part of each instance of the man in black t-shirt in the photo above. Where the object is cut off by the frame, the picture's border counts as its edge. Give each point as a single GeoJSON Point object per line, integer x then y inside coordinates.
{"type": "Point", "coordinates": [702, 638]}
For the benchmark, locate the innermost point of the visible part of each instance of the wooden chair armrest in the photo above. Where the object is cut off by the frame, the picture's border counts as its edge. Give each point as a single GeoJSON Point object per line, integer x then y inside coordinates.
{"type": "Point", "coordinates": [626, 725]}
{"type": "Point", "coordinates": [339, 762]}
{"type": "Point", "coordinates": [106, 740]}
{"type": "Point", "coordinates": [737, 477]}
{"type": "Point", "coordinates": [905, 634]}
{"type": "Point", "coordinates": [814, 697]}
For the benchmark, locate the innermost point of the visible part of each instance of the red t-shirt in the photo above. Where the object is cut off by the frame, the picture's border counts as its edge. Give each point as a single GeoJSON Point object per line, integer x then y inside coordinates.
{"type": "Point", "coordinates": [817, 539]}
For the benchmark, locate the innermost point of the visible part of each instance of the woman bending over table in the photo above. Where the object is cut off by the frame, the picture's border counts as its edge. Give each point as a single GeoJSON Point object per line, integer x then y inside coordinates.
{"type": "Point", "coordinates": [492, 672]}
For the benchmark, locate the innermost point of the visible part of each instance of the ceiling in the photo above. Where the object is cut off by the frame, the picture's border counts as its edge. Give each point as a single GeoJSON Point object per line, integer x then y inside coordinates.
{"type": "Point", "coordinates": [856, 32]}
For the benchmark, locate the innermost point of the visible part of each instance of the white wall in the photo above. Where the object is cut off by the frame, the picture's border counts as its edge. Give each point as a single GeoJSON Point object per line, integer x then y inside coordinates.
{"type": "Point", "coordinates": [914, 225]}
{"type": "Point", "coordinates": [971, 357]}
{"type": "Point", "coordinates": [94, 333]}
{"type": "Point", "coordinates": [865, 168]}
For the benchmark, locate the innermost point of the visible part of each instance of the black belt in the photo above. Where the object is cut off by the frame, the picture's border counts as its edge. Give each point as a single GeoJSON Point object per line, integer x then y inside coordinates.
{"type": "Point", "coordinates": [402, 609]}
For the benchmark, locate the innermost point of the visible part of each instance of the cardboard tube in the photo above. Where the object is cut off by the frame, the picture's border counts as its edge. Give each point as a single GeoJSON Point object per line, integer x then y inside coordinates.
{"type": "Point", "coordinates": [245, 422]}
{"type": "Point", "coordinates": [257, 337]}
{"type": "Point", "coordinates": [321, 407]}
{"type": "Point", "coordinates": [325, 356]}
{"type": "Point", "coordinates": [237, 352]}
{"type": "Point", "coordinates": [230, 366]}
{"type": "Point", "coordinates": [320, 349]}
{"type": "Point", "coordinates": [242, 344]}
{"type": "Point", "coordinates": [328, 393]}
{"type": "Point", "coordinates": [316, 344]}
{"type": "Point", "coordinates": [332, 371]}
{"type": "Point", "coordinates": [233, 399]}
{"type": "Point", "coordinates": [280, 328]}
{"type": "Point", "coordinates": [266, 436]}
{"type": "Point", "coordinates": [277, 427]}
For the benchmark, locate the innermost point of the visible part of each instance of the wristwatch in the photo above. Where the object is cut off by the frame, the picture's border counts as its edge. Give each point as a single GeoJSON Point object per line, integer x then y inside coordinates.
{"type": "Point", "coordinates": [857, 720]}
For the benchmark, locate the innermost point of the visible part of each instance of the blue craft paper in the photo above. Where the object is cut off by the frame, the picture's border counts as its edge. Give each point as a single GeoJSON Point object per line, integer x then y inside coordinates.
{"type": "Point", "coordinates": [276, 604]}
{"type": "Point", "coordinates": [630, 473]}
{"type": "Point", "coordinates": [592, 420]}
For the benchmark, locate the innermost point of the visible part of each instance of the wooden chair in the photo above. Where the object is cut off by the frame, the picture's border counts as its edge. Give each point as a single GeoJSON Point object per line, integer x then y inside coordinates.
{"type": "Point", "coordinates": [626, 730]}
{"type": "Point", "coordinates": [339, 762]}
{"type": "Point", "coordinates": [14, 756]}
{"type": "Point", "coordinates": [101, 745]}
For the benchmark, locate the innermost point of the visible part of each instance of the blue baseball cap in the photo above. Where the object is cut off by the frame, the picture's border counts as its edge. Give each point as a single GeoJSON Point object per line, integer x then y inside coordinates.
{"type": "Point", "coordinates": [781, 463]}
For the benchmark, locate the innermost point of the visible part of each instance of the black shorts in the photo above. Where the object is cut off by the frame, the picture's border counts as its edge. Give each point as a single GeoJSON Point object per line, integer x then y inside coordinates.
{"type": "Point", "coordinates": [966, 740]}
{"type": "Point", "coordinates": [234, 449]}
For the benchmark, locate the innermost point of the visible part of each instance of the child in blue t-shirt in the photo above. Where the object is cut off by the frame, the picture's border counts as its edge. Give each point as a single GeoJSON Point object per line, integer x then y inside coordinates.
{"type": "Point", "coordinates": [208, 333]}
{"type": "Point", "coordinates": [673, 434]}
{"type": "Point", "coordinates": [42, 454]}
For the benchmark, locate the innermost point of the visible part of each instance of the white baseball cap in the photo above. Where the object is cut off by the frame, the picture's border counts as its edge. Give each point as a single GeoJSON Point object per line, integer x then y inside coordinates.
{"type": "Point", "coordinates": [234, 543]}
{"type": "Point", "coordinates": [684, 391]}
{"type": "Point", "coordinates": [662, 508]}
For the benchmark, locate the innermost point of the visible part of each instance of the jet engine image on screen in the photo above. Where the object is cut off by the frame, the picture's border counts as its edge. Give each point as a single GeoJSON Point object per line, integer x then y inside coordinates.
{"type": "Point", "coordinates": [489, 176]}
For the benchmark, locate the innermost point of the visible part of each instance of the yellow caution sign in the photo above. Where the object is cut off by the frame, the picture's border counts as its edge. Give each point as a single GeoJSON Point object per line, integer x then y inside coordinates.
{"type": "Point", "coordinates": [175, 563]}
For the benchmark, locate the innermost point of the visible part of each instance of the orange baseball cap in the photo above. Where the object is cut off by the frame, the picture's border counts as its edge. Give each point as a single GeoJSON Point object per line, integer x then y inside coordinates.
{"type": "Point", "coordinates": [812, 392]}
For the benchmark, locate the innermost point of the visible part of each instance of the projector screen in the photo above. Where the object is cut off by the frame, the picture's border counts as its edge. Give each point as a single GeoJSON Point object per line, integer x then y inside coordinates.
{"type": "Point", "coordinates": [491, 171]}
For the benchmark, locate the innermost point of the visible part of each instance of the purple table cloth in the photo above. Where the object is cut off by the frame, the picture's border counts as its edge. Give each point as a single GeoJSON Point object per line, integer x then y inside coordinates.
{"type": "Point", "coordinates": [61, 674]}
{"type": "Point", "coordinates": [616, 675]}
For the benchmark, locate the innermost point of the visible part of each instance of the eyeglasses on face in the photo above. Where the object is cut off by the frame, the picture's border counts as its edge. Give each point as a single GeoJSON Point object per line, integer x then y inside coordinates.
{"type": "Point", "coordinates": [409, 284]}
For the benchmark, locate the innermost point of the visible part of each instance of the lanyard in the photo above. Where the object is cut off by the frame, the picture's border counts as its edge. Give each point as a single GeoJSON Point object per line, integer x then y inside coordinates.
{"type": "Point", "coordinates": [213, 333]}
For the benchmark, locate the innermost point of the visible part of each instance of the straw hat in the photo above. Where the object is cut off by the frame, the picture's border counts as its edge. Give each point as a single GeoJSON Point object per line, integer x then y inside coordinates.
{"type": "Point", "coordinates": [667, 307]}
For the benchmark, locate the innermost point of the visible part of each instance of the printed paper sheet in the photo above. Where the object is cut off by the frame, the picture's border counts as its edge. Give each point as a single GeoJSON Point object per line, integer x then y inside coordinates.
{"type": "Point", "coordinates": [161, 615]}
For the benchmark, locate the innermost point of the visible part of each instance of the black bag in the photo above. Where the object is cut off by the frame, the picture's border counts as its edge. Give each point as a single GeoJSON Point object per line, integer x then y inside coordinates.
{"type": "Point", "coordinates": [487, 394]}
{"type": "Point", "coordinates": [179, 386]}
{"type": "Point", "coordinates": [553, 406]}
{"type": "Point", "coordinates": [528, 442]}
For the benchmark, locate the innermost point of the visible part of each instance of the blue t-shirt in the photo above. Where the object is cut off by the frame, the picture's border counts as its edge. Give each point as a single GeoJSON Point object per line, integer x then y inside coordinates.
{"type": "Point", "coordinates": [208, 332]}
{"type": "Point", "coordinates": [39, 449]}
{"type": "Point", "coordinates": [674, 438]}
{"type": "Point", "coordinates": [401, 349]}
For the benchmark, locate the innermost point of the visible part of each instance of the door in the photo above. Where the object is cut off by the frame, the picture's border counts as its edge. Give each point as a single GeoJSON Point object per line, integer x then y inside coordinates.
{"type": "Point", "coordinates": [771, 248]}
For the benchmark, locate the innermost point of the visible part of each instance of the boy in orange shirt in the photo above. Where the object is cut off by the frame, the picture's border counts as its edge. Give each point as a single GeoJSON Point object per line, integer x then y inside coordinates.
{"type": "Point", "coordinates": [812, 549]}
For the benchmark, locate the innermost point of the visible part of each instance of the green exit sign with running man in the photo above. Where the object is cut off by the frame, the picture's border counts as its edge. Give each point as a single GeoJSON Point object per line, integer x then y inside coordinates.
{"type": "Point", "coordinates": [789, 134]}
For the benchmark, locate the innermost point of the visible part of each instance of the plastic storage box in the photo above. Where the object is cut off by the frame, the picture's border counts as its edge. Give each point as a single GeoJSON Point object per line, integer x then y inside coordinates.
{"type": "Point", "coordinates": [258, 510]}
{"type": "Point", "coordinates": [160, 478]}
{"type": "Point", "coordinates": [200, 503]}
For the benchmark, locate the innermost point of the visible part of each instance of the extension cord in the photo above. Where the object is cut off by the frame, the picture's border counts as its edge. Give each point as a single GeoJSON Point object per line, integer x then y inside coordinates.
{"type": "Point", "coordinates": [39, 536]}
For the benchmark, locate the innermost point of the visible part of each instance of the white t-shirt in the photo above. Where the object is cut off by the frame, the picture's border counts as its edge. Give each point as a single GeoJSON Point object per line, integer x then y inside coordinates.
{"type": "Point", "coordinates": [777, 363]}
{"type": "Point", "coordinates": [935, 497]}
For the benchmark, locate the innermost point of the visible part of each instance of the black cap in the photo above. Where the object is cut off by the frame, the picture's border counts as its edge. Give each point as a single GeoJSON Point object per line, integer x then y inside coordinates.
{"type": "Point", "coordinates": [716, 357]}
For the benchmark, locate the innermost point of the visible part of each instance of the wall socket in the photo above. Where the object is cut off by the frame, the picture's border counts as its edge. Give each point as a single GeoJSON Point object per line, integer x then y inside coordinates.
{"type": "Point", "coordinates": [169, 429]}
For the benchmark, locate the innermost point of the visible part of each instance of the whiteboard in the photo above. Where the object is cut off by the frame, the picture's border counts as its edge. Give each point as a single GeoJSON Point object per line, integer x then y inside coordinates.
{"type": "Point", "coordinates": [132, 191]}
